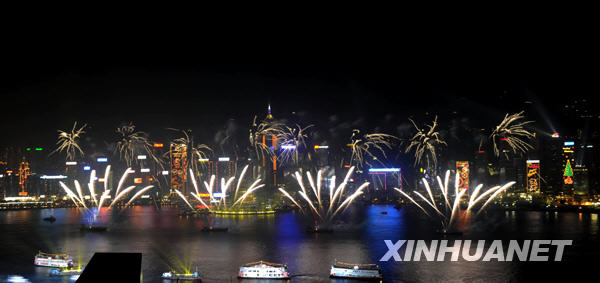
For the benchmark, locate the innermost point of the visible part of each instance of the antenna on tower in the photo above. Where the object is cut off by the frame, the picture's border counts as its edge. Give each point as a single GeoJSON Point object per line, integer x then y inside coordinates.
{"type": "Point", "coordinates": [269, 115]}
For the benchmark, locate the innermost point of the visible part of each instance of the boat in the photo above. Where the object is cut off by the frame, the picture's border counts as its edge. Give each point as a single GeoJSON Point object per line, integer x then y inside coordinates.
{"type": "Point", "coordinates": [185, 276]}
{"type": "Point", "coordinates": [355, 271]}
{"type": "Point", "coordinates": [66, 271]}
{"type": "Point", "coordinates": [384, 212]}
{"type": "Point", "coordinates": [92, 228]}
{"type": "Point", "coordinates": [50, 219]}
{"type": "Point", "coordinates": [53, 260]}
{"type": "Point", "coordinates": [264, 270]}
{"type": "Point", "coordinates": [317, 229]}
{"type": "Point", "coordinates": [449, 232]}
{"type": "Point", "coordinates": [214, 229]}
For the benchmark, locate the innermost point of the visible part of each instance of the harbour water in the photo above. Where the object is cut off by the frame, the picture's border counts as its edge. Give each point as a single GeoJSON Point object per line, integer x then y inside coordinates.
{"type": "Point", "coordinates": [170, 242]}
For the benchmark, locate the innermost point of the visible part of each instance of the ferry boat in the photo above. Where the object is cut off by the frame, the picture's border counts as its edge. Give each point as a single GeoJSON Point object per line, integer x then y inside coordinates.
{"type": "Point", "coordinates": [356, 271]}
{"type": "Point", "coordinates": [264, 270]}
{"type": "Point", "coordinates": [53, 260]}
{"type": "Point", "coordinates": [187, 276]}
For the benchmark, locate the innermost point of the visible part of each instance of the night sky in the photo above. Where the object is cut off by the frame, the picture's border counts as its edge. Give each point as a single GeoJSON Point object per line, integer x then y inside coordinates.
{"type": "Point", "coordinates": [375, 87]}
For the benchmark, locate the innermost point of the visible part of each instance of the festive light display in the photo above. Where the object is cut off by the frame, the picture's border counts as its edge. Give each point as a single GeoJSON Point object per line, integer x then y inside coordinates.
{"type": "Point", "coordinates": [533, 176]}
{"type": "Point", "coordinates": [462, 168]}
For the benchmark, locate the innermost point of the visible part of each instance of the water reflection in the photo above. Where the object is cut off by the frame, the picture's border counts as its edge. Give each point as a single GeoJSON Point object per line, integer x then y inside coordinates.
{"type": "Point", "coordinates": [172, 243]}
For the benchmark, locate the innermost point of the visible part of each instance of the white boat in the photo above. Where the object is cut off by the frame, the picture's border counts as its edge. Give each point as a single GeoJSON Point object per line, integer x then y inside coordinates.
{"type": "Point", "coordinates": [358, 271]}
{"type": "Point", "coordinates": [264, 270]}
{"type": "Point", "coordinates": [171, 275]}
{"type": "Point", "coordinates": [53, 260]}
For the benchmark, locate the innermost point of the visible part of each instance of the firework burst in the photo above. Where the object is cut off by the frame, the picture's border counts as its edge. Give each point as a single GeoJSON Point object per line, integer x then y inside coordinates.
{"type": "Point", "coordinates": [132, 143]}
{"type": "Point", "coordinates": [364, 145]}
{"type": "Point", "coordinates": [450, 205]}
{"type": "Point", "coordinates": [194, 152]}
{"type": "Point", "coordinates": [426, 143]}
{"type": "Point", "coordinates": [293, 141]}
{"type": "Point", "coordinates": [265, 128]}
{"type": "Point", "coordinates": [512, 131]}
{"type": "Point", "coordinates": [68, 142]}
{"type": "Point", "coordinates": [325, 209]}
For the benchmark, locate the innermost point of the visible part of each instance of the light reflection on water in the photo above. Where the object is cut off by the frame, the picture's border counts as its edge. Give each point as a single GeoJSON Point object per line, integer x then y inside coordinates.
{"type": "Point", "coordinates": [170, 242]}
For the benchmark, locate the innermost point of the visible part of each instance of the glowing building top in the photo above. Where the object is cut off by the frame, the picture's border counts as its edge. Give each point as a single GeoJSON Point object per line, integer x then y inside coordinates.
{"type": "Point", "coordinates": [269, 115]}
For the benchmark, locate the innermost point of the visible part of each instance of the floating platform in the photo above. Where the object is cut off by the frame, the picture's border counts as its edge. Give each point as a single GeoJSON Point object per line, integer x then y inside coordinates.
{"type": "Point", "coordinates": [316, 229]}
{"type": "Point", "coordinates": [50, 219]}
{"type": "Point", "coordinates": [215, 229]}
{"type": "Point", "coordinates": [92, 228]}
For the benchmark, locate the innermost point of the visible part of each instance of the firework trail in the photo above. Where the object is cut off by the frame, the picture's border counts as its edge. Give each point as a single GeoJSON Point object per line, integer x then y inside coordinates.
{"type": "Point", "coordinates": [79, 192]}
{"type": "Point", "coordinates": [91, 186]}
{"type": "Point", "coordinates": [316, 206]}
{"type": "Point", "coordinates": [140, 192]}
{"type": "Point", "coordinates": [363, 146]}
{"type": "Point", "coordinates": [104, 196]}
{"type": "Point", "coordinates": [240, 181]}
{"type": "Point", "coordinates": [68, 142]}
{"type": "Point", "coordinates": [127, 171]}
{"type": "Point", "coordinates": [106, 174]}
{"type": "Point", "coordinates": [513, 132]}
{"type": "Point", "coordinates": [448, 210]}
{"type": "Point", "coordinates": [426, 142]}
{"type": "Point", "coordinates": [184, 199]}
{"type": "Point", "coordinates": [121, 195]}
{"type": "Point", "coordinates": [224, 187]}
{"type": "Point", "coordinates": [291, 198]}
{"type": "Point", "coordinates": [247, 193]}
{"type": "Point", "coordinates": [70, 193]}
{"type": "Point", "coordinates": [201, 201]}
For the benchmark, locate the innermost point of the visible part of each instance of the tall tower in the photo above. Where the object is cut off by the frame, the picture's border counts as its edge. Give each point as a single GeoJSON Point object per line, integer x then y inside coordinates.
{"type": "Point", "coordinates": [23, 175]}
{"type": "Point", "coordinates": [179, 166]}
{"type": "Point", "coordinates": [568, 157]}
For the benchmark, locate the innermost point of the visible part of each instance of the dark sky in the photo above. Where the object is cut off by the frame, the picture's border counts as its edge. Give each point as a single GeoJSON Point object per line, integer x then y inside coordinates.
{"type": "Point", "coordinates": [43, 91]}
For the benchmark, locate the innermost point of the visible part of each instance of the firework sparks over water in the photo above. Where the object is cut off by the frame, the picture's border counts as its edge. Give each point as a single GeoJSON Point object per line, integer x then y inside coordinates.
{"type": "Point", "coordinates": [79, 198]}
{"type": "Point", "coordinates": [316, 205]}
{"type": "Point", "coordinates": [512, 131]}
{"type": "Point", "coordinates": [426, 143]}
{"type": "Point", "coordinates": [447, 210]}
{"type": "Point", "coordinates": [68, 142]}
{"type": "Point", "coordinates": [364, 145]}
{"type": "Point", "coordinates": [225, 185]}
